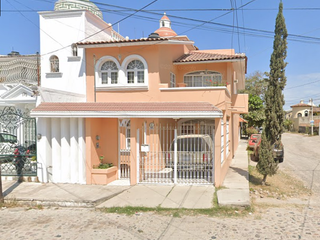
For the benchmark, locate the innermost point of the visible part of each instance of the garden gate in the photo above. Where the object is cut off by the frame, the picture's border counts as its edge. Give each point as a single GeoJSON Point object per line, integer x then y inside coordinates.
{"type": "Point", "coordinates": [18, 149]}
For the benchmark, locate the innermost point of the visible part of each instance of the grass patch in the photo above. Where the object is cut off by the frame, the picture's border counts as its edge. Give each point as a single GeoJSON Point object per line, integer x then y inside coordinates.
{"type": "Point", "coordinates": [180, 212]}
{"type": "Point", "coordinates": [280, 185]}
{"type": "Point", "coordinates": [11, 203]}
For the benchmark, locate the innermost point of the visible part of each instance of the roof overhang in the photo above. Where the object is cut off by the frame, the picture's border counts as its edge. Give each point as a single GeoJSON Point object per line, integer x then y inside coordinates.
{"type": "Point", "coordinates": [174, 110]}
{"type": "Point", "coordinates": [209, 61]}
{"type": "Point", "coordinates": [132, 43]}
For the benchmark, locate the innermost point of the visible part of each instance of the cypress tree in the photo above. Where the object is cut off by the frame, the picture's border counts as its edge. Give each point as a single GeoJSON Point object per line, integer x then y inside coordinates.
{"type": "Point", "coordinates": [274, 99]}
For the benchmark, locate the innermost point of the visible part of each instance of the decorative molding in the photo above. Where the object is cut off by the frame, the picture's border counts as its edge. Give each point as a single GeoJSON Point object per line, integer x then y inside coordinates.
{"type": "Point", "coordinates": [74, 59]}
{"type": "Point", "coordinates": [54, 75]}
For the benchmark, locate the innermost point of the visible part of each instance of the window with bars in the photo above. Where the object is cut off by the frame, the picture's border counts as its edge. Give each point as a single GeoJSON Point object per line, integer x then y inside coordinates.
{"type": "Point", "coordinates": [203, 79]}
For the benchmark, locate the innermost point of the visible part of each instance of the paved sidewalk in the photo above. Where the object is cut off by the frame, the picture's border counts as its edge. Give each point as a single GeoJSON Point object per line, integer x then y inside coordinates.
{"type": "Point", "coordinates": [236, 182]}
{"type": "Point", "coordinates": [165, 196]}
{"type": "Point", "coordinates": [66, 195]}
{"type": "Point", "coordinates": [235, 193]}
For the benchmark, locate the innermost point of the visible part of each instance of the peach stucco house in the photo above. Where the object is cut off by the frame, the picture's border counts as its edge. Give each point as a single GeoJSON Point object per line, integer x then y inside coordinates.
{"type": "Point", "coordinates": [142, 96]}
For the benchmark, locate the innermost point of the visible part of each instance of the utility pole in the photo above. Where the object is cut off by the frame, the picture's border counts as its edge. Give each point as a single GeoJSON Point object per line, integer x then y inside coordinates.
{"type": "Point", "coordinates": [1, 194]}
{"type": "Point", "coordinates": [311, 101]}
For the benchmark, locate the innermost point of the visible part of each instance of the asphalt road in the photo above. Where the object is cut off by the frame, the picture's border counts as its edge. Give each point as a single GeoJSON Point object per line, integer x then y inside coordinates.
{"type": "Point", "coordinates": [302, 159]}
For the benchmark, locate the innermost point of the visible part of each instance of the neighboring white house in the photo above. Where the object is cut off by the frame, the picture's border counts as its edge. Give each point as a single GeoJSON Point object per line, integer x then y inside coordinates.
{"type": "Point", "coordinates": [18, 81]}
{"type": "Point", "coordinates": [63, 79]}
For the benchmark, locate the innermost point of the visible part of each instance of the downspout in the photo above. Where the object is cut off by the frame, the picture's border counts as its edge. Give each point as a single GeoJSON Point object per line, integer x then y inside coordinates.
{"type": "Point", "coordinates": [94, 74]}
{"type": "Point", "coordinates": [38, 69]}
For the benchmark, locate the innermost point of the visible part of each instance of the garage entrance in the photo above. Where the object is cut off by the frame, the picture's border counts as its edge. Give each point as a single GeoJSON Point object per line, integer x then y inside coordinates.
{"type": "Point", "coordinates": [181, 154]}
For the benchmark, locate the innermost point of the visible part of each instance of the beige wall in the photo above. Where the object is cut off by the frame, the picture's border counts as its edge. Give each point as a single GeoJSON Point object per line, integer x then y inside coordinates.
{"type": "Point", "coordinates": [160, 63]}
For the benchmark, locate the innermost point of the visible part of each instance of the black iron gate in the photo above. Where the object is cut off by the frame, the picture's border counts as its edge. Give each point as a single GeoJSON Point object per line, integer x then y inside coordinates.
{"type": "Point", "coordinates": [18, 149]}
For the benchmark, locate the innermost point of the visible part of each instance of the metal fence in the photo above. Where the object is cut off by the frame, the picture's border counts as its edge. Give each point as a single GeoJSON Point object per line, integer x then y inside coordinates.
{"type": "Point", "coordinates": [183, 154]}
{"type": "Point", "coordinates": [18, 148]}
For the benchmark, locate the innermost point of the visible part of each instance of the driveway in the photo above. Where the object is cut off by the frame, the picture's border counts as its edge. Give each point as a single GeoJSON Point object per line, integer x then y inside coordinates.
{"type": "Point", "coordinates": [302, 159]}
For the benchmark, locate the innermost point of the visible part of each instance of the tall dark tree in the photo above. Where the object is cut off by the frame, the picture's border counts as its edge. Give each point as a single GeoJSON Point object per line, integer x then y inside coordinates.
{"type": "Point", "coordinates": [274, 99]}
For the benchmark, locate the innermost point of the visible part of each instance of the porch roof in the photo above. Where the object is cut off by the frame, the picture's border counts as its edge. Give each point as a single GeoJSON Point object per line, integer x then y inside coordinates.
{"type": "Point", "coordinates": [127, 109]}
{"type": "Point", "coordinates": [198, 56]}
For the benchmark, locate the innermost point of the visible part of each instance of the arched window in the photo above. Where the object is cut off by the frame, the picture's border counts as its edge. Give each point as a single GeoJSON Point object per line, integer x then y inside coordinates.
{"type": "Point", "coordinates": [74, 48]}
{"type": "Point", "coordinates": [109, 73]}
{"type": "Point", "coordinates": [299, 115]}
{"type": "Point", "coordinates": [135, 72]}
{"type": "Point", "coordinates": [203, 79]}
{"type": "Point", "coordinates": [306, 113]}
{"type": "Point", "coordinates": [54, 64]}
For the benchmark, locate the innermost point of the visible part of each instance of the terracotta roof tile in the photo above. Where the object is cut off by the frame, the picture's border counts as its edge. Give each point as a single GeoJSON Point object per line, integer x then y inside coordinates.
{"type": "Point", "coordinates": [301, 105]}
{"type": "Point", "coordinates": [127, 107]}
{"type": "Point", "coordinates": [202, 56]}
{"type": "Point", "coordinates": [123, 41]}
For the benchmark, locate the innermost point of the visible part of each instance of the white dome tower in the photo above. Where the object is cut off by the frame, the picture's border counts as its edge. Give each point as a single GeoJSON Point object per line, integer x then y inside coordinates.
{"type": "Point", "coordinates": [61, 5]}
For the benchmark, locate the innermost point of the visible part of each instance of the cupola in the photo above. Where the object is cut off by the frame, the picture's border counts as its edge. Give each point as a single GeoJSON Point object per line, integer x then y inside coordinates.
{"type": "Point", "coordinates": [165, 27]}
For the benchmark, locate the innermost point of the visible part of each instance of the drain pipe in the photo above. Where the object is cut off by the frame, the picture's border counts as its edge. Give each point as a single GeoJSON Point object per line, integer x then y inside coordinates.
{"type": "Point", "coordinates": [94, 77]}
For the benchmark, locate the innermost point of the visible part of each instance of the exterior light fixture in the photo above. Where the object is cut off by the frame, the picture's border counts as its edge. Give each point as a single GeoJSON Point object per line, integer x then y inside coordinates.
{"type": "Point", "coordinates": [39, 136]}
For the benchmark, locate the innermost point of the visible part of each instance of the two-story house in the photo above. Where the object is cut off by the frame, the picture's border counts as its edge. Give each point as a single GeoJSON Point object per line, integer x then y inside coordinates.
{"type": "Point", "coordinates": [157, 108]}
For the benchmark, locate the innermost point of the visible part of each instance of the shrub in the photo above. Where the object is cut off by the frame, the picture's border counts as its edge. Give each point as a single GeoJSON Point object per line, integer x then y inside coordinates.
{"type": "Point", "coordinates": [251, 130]}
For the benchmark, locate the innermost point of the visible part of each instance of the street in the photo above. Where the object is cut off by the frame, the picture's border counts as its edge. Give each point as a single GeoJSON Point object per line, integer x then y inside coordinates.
{"type": "Point", "coordinates": [285, 221]}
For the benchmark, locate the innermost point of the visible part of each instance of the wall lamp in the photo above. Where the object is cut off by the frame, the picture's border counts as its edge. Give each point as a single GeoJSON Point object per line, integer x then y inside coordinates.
{"type": "Point", "coordinates": [97, 137]}
{"type": "Point", "coordinates": [39, 136]}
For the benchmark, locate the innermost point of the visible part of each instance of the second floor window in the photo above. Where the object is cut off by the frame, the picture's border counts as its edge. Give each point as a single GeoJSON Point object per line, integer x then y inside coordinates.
{"type": "Point", "coordinates": [203, 79]}
{"type": "Point", "coordinates": [135, 72]}
{"type": "Point", "coordinates": [109, 73]}
{"type": "Point", "coordinates": [54, 64]}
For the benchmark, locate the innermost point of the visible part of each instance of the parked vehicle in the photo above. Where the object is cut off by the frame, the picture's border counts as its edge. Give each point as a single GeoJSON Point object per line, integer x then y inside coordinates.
{"type": "Point", "coordinates": [194, 152]}
{"type": "Point", "coordinates": [253, 141]}
{"type": "Point", "coordinates": [7, 146]}
{"type": "Point", "coordinates": [277, 153]}
{"type": "Point", "coordinates": [12, 152]}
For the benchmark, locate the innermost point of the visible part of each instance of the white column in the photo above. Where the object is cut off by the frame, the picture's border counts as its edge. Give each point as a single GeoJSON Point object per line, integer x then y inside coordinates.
{"type": "Point", "coordinates": [175, 159]}
{"type": "Point", "coordinates": [56, 150]}
{"type": "Point", "coordinates": [74, 146]}
{"type": "Point", "coordinates": [82, 151]}
{"type": "Point", "coordinates": [43, 149]}
{"type": "Point", "coordinates": [65, 150]}
{"type": "Point", "coordinates": [138, 155]}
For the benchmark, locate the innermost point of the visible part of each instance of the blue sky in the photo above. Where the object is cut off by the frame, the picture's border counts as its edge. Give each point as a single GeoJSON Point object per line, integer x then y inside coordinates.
{"type": "Point", "coordinates": [19, 24]}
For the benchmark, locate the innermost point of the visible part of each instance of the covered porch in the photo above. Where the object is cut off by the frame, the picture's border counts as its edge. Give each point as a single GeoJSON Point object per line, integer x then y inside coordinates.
{"type": "Point", "coordinates": [137, 138]}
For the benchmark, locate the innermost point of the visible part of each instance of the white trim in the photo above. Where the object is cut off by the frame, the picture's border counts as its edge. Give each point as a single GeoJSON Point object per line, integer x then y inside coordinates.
{"type": "Point", "coordinates": [122, 75]}
{"type": "Point", "coordinates": [90, 114]}
{"type": "Point", "coordinates": [74, 59]}
{"type": "Point", "coordinates": [196, 88]}
{"type": "Point", "coordinates": [125, 63]}
{"type": "Point", "coordinates": [122, 88]}
{"type": "Point", "coordinates": [98, 65]}
{"type": "Point", "coordinates": [54, 75]}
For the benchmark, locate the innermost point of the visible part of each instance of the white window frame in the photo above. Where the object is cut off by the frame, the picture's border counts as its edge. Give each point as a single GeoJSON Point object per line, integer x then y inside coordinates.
{"type": "Point", "coordinates": [122, 75]}
{"type": "Point", "coordinates": [135, 84]}
{"type": "Point", "coordinates": [136, 71]}
{"type": "Point", "coordinates": [208, 79]}
{"type": "Point", "coordinates": [98, 72]}
{"type": "Point", "coordinates": [109, 73]}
